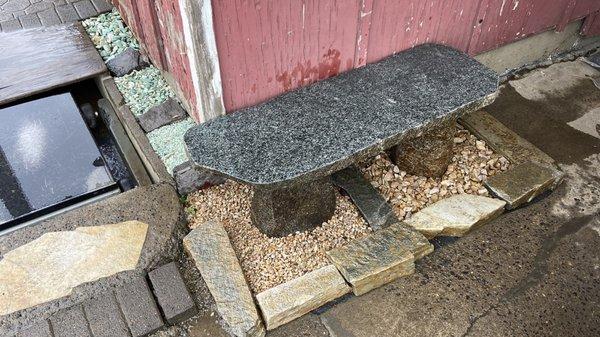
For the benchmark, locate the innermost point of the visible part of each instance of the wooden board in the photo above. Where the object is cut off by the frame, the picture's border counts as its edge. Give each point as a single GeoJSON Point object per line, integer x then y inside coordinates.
{"type": "Point", "coordinates": [37, 60]}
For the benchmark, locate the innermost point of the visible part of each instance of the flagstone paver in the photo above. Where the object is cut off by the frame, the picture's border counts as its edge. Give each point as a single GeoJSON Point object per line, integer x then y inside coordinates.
{"type": "Point", "coordinates": [288, 301]}
{"type": "Point", "coordinates": [50, 266]}
{"type": "Point", "coordinates": [456, 216]}
{"type": "Point", "coordinates": [23, 14]}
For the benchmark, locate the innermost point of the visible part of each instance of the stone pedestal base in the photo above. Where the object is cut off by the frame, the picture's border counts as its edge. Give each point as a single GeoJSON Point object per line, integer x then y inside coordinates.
{"type": "Point", "coordinates": [279, 212]}
{"type": "Point", "coordinates": [427, 154]}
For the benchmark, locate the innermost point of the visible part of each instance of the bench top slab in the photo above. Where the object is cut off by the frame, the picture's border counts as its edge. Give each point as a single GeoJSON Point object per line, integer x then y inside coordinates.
{"type": "Point", "coordinates": [41, 59]}
{"type": "Point", "coordinates": [322, 128]}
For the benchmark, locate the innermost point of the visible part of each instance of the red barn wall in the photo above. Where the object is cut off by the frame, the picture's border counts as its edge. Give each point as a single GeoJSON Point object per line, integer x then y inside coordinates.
{"type": "Point", "coordinates": [267, 47]}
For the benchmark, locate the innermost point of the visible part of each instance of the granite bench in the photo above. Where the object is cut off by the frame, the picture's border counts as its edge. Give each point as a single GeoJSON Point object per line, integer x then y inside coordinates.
{"type": "Point", "coordinates": [286, 148]}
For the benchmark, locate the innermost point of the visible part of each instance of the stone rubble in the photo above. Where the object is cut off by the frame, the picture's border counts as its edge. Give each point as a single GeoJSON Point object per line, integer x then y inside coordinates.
{"type": "Point", "coordinates": [456, 215]}
{"type": "Point", "coordinates": [473, 162]}
{"type": "Point", "coordinates": [288, 301]}
{"type": "Point", "coordinates": [268, 262]}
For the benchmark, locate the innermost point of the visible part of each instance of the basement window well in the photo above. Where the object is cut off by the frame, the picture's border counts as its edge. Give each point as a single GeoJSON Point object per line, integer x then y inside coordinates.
{"type": "Point", "coordinates": [55, 155]}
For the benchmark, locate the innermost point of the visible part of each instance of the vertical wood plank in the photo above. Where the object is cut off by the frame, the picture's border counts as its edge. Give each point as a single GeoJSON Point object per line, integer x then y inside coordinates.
{"type": "Point", "coordinates": [502, 22]}
{"type": "Point", "coordinates": [363, 33]}
{"type": "Point", "coordinates": [399, 25]}
{"type": "Point", "coordinates": [150, 32]}
{"type": "Point", "coordinates": [591, 25]}
{"type": "Point", "coordinates": [272, 46]}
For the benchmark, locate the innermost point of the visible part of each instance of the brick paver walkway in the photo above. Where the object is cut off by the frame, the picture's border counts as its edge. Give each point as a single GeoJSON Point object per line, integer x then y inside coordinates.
{"type": "Point", "coordinates": [22, 14]}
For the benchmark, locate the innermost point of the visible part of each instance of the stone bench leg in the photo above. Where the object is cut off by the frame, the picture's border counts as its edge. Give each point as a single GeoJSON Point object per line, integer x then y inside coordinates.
{"type": "Point", "coordinates": [279, 212]}
{"type": "Point", "coordinates": [428, 153]}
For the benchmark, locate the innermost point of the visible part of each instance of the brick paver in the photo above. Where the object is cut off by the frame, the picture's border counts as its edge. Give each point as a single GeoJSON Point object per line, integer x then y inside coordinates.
{"type": "Point", "coordinates": [139, 308]}
{"type": "Point", "coordinates": [173, 297]}
{"type": "Point", "coordinates": [23, 14]}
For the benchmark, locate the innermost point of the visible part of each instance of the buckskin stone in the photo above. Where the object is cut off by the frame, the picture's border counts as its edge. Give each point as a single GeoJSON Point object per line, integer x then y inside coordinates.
{"type": "Point", "coordinates": [290, 300]}
{"type": "Point", "coordinates": [380, 258]}
{"type": "Point", "coordinates": [50, 266]}
{"type": "Point", "coordinates": [509, 144]}
{"type": "Point", "coordinates": [521, 183]}
{"type": "Point", "coordinates": [428, 153]}
{"type": "Point", "coordinates": [209, 247]}
{"type": "Point", "coordinates": [456, 215]}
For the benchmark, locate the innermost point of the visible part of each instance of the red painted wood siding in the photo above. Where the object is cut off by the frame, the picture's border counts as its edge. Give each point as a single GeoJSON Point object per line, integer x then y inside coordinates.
{"type": "Point", "coordinates": [267, 47]}
{"type": "Point", "coordinates": [158, 25]}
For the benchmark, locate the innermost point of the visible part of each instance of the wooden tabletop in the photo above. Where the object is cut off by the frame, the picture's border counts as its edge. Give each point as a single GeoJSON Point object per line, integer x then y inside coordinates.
{"type": "Point", "coordinates": [40, 59]}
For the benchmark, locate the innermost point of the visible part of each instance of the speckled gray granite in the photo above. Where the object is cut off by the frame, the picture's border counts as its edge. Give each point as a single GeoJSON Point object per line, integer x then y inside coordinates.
{"type": "Point", "coordinates": [299, 207]}
{"type": "Point", "coordinates": [371, 205]}
{"type": "Point", "coordinates": [317, 130]}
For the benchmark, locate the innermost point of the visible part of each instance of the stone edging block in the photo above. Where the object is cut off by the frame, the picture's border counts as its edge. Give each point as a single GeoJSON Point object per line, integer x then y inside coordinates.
{"type": "Point", "coordinates": [456, 215]}
{"type": "Point", "coordinates": [380, 258]}
{"type": "Point", "coordinates": [209, 247]}
{"type": "Point", "coordinates": [522, 183]}
{"type": "Point", "coordinates": [291, 300]}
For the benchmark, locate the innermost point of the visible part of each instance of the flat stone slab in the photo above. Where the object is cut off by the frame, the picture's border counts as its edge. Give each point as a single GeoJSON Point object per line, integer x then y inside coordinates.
{"type": "Point", "coordinates": [456, 215]}
{"type": "Point", "coordinates": [209, 247]}
{"type": "Point", "coordinates": [172, 295]}
{"type": "Point", "coordinates": [293, 299]}
{"type": "Point", "coordinates": [50, 266]}
{"type": "Point", "coordinates": [521, 183]}
{"type": "Point", "coordinates": [45, 58]}
{"type": "Point", "coordinates": [190, 178]}
{"type": "Point", "coordinates": [380, 258]}
{"type": "Point", "coordinates": [126, 62]}
{"type": "Point", "coordinates": [320, 129]}
{"type": "Point", "coordinates": [502, 139]}
{"type": "Point", "coordinates": [163, 114]}
{"type": "Point", "coordinates": [371, 205]}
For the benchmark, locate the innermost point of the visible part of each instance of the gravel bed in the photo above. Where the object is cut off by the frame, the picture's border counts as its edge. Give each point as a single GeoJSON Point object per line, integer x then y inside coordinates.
{"type": "Point", "coordinates": [473, 162]}
{"type": "Point", "coordinates": [109, 34]}
{"type": "Point", "coordinates": [168, 143]}
{"type": "Point", "coordinates": [144, 89]}
{"type": "Point", "coordinates": [268, 262]}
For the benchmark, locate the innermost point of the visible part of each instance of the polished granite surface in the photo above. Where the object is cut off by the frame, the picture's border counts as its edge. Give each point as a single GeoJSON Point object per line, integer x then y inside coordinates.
{"type": "Point", "coordinates": [47, 156]}
{"type": "Point", "coordinates": [320, 129]}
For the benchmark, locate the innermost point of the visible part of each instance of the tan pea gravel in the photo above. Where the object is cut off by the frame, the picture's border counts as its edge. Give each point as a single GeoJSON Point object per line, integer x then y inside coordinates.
{"type": "Point", "coordinates": [268, 262]}
{"type": "Point", "coordinates": [472, 163]}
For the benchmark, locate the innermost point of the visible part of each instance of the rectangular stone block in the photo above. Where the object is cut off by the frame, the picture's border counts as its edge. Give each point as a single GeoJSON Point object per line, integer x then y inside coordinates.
{"type": "Point", "coordinates": [104, 316]}
{"type": "Point", "coordinates": [502, 139]}
{"type": "Point", "coordinates": [138, 307]}
{"type": "Point", "coordinates": [209, 247]}
{"type": "Point", "coordinates": [39, 329]}
{"type": "Point", "coordinates": [456, 215]}
{"type": "Point", "coordinates": [523, 182]}
{"type": "Point", "coordinates": [293, 299]}
{"type": "Point", "coordinates": [379, 258]}
{"type": "Point", "coordinates": [171, 293]}
{"type": "Point", "coordinates": [372, 206]}
{"type": "Point", "coordinates": [70, 323]}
